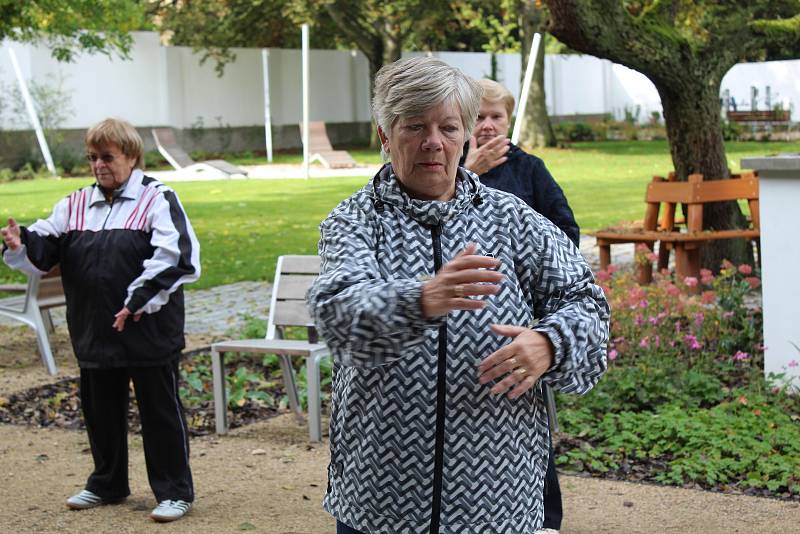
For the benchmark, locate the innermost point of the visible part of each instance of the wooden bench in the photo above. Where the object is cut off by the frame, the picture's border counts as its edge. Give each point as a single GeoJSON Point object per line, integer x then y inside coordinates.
{"type": "Point", "coordinates": [293, 277]}
{"type": "Point", "coordinates": [33, 309]}
{"type": "Point", "coordinates": [686, 241]}
{"type": "Point", "coordinates": [777, 115]}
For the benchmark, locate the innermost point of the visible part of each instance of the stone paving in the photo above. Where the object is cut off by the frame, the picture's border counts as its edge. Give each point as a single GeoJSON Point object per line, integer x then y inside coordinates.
{"type": "Point", "coordinates": [224, 309]}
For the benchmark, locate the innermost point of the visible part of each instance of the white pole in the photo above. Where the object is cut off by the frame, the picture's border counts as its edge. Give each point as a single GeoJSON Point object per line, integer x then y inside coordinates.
{"type": "Point", "coordinates": [37, 126]}
{"type": "Point", "coordinates": [306, 155]}
{"type": "Point", "coordinates": [526, 86]}
{"type": "Point", "coordinates": [267, 114]}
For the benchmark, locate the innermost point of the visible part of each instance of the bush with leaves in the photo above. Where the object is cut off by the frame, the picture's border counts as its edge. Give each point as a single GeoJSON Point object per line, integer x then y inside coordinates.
{"type": "Point", "coordinates": [685, 401]}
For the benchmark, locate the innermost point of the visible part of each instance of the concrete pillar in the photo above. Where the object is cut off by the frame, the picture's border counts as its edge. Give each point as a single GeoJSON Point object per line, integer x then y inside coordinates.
{"type": "Point", "coordinates": [779, 199]}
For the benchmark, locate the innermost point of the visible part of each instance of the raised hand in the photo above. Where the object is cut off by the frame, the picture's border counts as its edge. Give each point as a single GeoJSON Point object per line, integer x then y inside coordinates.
{"type": "Point", "coordinates": [482, 159]}
{"type": "Point", "coordinates": [522, 361]}
{"type": "Point", "coordinates": [11, 234]}
{"type": "Point", "coordinates": [464, 276]}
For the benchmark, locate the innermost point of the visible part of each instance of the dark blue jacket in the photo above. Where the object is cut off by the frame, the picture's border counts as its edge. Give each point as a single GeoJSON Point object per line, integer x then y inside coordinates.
{"type": "Point", "coordinates": [527, 177]}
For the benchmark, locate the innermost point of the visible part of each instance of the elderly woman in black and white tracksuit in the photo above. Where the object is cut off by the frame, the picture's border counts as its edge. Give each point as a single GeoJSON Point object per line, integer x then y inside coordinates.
{"type": "Point", "coordinates": [126, 248]}
{"type": "Point", "coordinates": [446, 305]}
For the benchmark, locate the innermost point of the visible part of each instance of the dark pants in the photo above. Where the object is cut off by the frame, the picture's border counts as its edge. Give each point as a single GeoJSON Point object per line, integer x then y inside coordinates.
{"type": "Point", "coordinates": [104, 398]}
{"type": "Point", "coordinates": [341, 528]}
{"type": "Point", "coordinates": [553, 511]}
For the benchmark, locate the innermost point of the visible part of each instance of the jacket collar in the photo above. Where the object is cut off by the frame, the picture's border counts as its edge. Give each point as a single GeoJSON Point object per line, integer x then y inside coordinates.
{"type": "Point", "coordinates": [128, 191]}
{"type": "Point", "coordinates": [385, 188]}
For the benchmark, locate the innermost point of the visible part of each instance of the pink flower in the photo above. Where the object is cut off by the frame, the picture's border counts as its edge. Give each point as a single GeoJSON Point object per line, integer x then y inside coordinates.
{"type": "Point", "coordinates": [657, 341]}
{"type": "Point", "coordinates": [612, 354]}
{"type": "Point", "coordinates": [727, 314]}
{"type": "Point", "coordinates": [708, 297]}
{"type": "Point", "coordinates": [638, 320]}
{"type": "Point", "coordinates": [653, 320]}
{"type": "Point", "coordinates": [699, 318]}
{"type": "Point", "coordinates": [706, 276]}
{"type": "Point", "coordinates": [690, 281]}
{"type": "Point", "coordinates": [641, 247]}
{"type": "Point", "coordinates": [793, 363]}
{"type": "Point", "coordinates": [611, 269]}
{"type": "Point", "coordinates": [741, 356]}
{"type": "Point", "coordinates": [673, 290]}
{"type": "Point", "coordinates": [602, 276]}
{"type": "Point", "coordinates": [644, 343]}
{"type": "Point", "coordinates": [643, 303]}
{"type": "Point", "coordinates": [753, 281]}
{"type": "Point", "coordinates": [692, 342]}
{"type": "Point", "coordinates": [745, 269]}
{"type": "Point", "coordinates": [652, 257]}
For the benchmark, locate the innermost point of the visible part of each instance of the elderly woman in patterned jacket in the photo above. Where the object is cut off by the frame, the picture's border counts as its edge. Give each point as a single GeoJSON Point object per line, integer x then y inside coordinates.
{"type": "Point", "coordinates": [125, 247]}
{"type": "Point", "coordinates": [447, 305]}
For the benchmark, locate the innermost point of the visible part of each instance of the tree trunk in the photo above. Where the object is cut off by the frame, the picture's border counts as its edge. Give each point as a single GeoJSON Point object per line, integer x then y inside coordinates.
{"type": "Point", "coordinates": [536, 128]}
{"type": "Point", "coordinates": [692, 117]}
{"type": "Point", "coordinates": [537, 131]}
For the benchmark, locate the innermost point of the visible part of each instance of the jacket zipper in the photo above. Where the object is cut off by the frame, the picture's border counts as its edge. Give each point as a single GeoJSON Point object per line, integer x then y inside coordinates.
{"type": "Point", "coordinates": [108, 214]}
{"type": "Point", "coordinates": [441, 383]}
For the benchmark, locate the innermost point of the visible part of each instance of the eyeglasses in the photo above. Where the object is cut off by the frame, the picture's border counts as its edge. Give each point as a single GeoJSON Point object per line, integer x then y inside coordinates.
{"type": "Point", "coordinates": [105, 158]}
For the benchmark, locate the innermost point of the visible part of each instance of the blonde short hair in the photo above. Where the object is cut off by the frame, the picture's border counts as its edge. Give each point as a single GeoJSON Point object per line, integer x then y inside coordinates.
{"type": "Point", "coordinates": [412, 86]}
{"type": "Point", "coordinates": [117, 132]}
{"type": "Point", "coordinates": [494, 92]}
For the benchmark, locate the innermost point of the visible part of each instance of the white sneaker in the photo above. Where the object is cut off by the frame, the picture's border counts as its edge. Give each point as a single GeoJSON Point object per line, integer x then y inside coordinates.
{"type": "Point", "coordinates": [85, 500]}
{"type": "Point", "coordinates": [170, 511]}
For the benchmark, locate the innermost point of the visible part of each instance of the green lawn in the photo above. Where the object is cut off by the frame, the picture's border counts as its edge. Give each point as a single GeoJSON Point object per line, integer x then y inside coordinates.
{"type": "Point", "coordinates": [243, 225]}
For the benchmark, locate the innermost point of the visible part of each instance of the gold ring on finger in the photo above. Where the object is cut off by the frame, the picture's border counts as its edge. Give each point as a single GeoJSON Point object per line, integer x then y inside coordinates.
{"type": "Point", "coordinates": [512, 362]}
{"type": "Point", "coordinates": [458, 291]}
{"type": "Point", "coordinates": [521, 371]}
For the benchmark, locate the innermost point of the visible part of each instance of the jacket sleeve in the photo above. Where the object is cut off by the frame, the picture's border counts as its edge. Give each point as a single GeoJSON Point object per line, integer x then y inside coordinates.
{"type": "Point", "coordinates": [571, 309]}
{"type": "Point", "coordinates": [40, 250]}
{"type": "Point", "coordinates": [552, 203]}
{"type": "Point", "coordinates": [175, 260]}
{"type": "Point", "coordinates": [365, 318]}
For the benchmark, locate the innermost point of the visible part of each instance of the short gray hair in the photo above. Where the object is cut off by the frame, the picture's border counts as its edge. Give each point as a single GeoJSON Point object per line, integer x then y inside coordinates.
{"type": "Point", "coordinates": [412, 86]}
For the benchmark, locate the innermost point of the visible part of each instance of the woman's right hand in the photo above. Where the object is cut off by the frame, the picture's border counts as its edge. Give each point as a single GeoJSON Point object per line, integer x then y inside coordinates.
{"type": "Point", "coordinates": [464, 276]}
{"type": "Point", "coordinates": [11, 234]}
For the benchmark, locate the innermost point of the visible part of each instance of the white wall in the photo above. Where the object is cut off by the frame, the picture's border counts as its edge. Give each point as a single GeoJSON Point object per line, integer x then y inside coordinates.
{"type": "Point", "coordinates": [167, 85]}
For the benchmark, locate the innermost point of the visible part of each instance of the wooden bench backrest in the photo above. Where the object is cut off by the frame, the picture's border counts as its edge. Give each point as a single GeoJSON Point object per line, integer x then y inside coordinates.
{"type": "Point", "coordinates": [694, 193]}
{"type": "Point", "coordinates": [293, 277]}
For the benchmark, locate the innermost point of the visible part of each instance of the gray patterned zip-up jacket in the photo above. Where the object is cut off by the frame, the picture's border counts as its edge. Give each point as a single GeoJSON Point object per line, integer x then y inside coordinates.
{"type": "Point", "coordinates": [417, 444]}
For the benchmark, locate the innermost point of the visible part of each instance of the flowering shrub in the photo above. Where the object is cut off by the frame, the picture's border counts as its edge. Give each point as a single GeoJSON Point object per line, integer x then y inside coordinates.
{"type": "Point", "coordinates": [684, 399]}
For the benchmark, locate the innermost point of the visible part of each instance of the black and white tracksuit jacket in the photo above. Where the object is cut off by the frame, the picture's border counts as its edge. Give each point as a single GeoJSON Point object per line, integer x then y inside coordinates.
{"type": "Point", "coordinates": [417, 444]}
{"type": "Point", "coordinates": [136, 251]}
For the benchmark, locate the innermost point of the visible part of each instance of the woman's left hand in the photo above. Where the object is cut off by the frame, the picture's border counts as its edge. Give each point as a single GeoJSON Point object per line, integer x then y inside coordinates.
{"type": "Point", "coordinates": [523, 360]}
{"type": "Point", "coordinates": [121, 316]}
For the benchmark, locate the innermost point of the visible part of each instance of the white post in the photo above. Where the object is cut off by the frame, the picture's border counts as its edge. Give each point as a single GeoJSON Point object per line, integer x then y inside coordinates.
{"type": "Point", "coordinates": [306, 154]}
{"type": "Point", "coordinates": [267, 114]}
{"type": "Point", "coordinates": [37, 126]}
{"type": "Point", "coordinates": [779, 196]}
{"type": "Point", "coordinates": [526, 87]}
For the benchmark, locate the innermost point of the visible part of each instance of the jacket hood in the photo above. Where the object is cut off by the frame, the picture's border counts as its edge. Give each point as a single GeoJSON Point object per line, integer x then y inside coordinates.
{"type": "Point", "coordinates": [384, 188]}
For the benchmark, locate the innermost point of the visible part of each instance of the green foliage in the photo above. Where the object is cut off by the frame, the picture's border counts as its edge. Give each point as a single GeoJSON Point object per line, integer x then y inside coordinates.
{"type": "Point", "coordinates": [68, 27]}
{"type": "Point", "coordinates": [574, 131]}
{"type": "Point", "coordinates": [684, 395]}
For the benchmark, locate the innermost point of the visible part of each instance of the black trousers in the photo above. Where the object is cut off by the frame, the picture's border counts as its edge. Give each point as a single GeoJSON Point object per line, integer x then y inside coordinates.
{"type": "Point", "coordinates": [104, 398]}
{"type": "Point", "coordinates": [553, 509]}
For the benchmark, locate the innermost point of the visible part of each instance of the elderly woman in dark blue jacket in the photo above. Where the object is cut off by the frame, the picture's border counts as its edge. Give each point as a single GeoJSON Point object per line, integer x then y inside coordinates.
{"type": "Point", "coordinates": [446, 305]}
{"type": "Point", "coordinates": [504, 166]}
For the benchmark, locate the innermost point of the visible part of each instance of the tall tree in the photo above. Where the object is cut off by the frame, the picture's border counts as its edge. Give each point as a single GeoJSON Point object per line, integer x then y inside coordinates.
{"type": "Point", "coordinates": [685, 48]}
{"type": "Point", "coordinates": [68, 27]}
{"type": "Point", "coordinates": [213, 27]}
